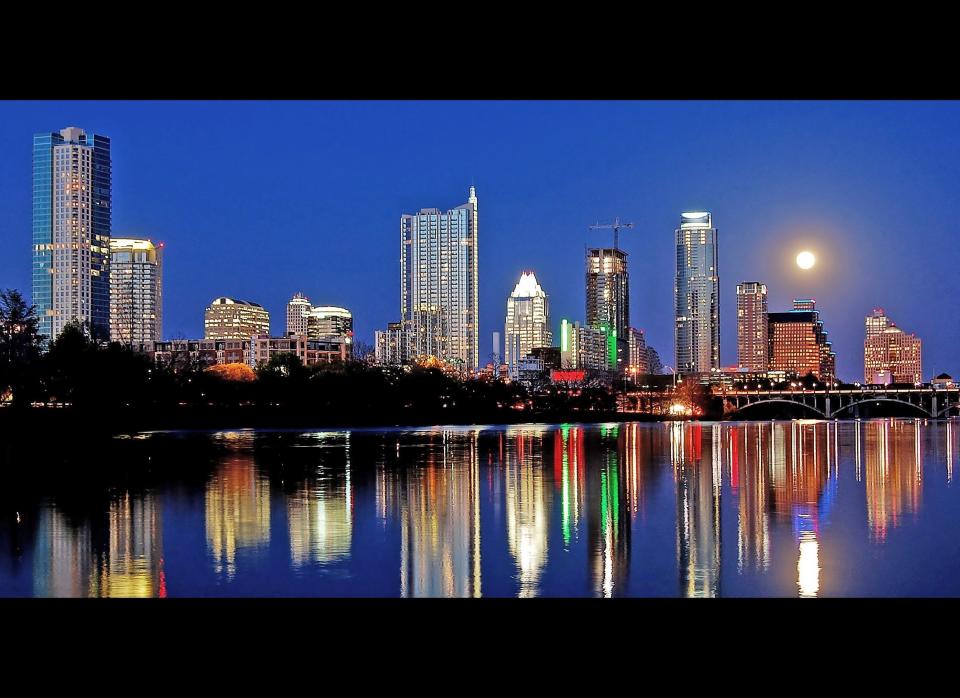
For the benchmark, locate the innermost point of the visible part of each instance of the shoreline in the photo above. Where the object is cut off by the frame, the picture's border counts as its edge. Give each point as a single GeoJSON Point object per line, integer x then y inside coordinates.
{"type": "Point", "coordinates": [35, 420]}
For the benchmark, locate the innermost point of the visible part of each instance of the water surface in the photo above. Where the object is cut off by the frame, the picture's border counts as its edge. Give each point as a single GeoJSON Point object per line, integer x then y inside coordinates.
{"type": "Point", "coordinates": [801, 508]}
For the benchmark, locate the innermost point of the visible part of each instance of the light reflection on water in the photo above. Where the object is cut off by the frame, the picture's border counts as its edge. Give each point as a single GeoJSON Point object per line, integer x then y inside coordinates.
{"type": "Point", "coordinates": [803, 508]}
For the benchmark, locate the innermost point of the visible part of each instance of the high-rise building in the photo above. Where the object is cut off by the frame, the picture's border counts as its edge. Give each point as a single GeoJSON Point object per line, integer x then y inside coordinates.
{"type": "Point", "coordinates": [439, 282]}
{"type": "Point", "coordinates": [585, 348]}
{"type": "Point", "coordinates": [136, 291]}
{"type": "Point", "coordinates": [329, 321]}
{"type": "Point", "coordinates": [527, 323]}
{"type": "Point", "coordinates": [639, 363]}
{"type": "Point", "coordinates": [890, 355]}
{"type": "Point", "coordinates": [315, 322]}
{"type": "Point", "coordinates": [298, 312]}
{"type": "Point", "coordinates": [752, 326]}
{"type": "Point", "coordinates": [608, 298]}
{"type": "Point", "coordinates": [227, 318]}
{"type": "Point", "coordinates": [697, 295]}
{"type": "Point", "coordinates": [389, 345]}
{"type": "Point", "coordinates": [71, 230]}
{"type": "Point", "coordinates": [798, 342]}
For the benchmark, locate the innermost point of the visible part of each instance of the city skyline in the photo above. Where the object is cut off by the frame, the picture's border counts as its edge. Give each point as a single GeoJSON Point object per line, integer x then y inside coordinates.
{"type": "Point", "coordinates": [845, 291]}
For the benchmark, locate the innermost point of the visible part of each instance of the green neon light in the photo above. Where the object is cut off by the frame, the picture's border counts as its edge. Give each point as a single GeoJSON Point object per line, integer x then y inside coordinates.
{"type": "Point", "coordinates": [603, 502]}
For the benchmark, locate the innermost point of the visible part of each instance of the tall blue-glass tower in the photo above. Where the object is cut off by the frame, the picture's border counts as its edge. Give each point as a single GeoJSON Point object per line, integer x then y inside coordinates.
{"type": "Point", "coordinates": [71, 230]}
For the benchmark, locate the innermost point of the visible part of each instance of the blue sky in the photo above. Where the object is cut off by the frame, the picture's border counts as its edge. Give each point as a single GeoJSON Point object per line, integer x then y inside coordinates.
{"type": "Point", "coordinates": [258, 200]}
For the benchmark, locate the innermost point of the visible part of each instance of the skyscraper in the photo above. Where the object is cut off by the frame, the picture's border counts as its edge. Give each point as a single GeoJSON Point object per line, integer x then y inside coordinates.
{"type": "Point", "coordinates": [227, 318]}
{"type": "Point", "coordinates": [298, 313]}
{"type": "Point", "coordinates": [798, 342]}
{"type": "Point", "coordinates": [527, 323]}
{"type": "Point", "coordinates": [608, 299]}
{"type": "Point", "coordinates": [136, 291]}
{"type": "Point", "coordinates": [890, 355]}
{"type": "Point", "coordinates": [439, 282]}
{"type": "Point", "coordinates": [71, 230]}
{"type": "Point", "coordinates": [752, 326]}
{"type": "Point", "coordinates": [697, 295]}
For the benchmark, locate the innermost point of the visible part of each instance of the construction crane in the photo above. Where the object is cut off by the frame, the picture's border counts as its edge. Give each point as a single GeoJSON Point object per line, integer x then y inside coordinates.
{"type": "Point", "coordinates": [615, 226]}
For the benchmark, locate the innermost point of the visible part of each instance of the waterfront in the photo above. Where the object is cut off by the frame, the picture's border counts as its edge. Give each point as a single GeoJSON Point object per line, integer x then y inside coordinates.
{"type": "Point", "coordinates": [789, 508]}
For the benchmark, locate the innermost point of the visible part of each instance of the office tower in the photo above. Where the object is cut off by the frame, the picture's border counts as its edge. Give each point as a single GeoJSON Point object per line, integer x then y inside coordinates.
{"type": "Point", "coordinates": [798, 342]}
{"type": "Point", "coordinates": [608, 299]}
{"type": "Point", "coordinates": [697, 295]}
{"type": "Point", "coordinates": [227, 318]}
{"type": "Point", "coordinates": [136, 291]}
{"type": "Point", "coordinates": [639, 363]}
{"type": "Point", "coordinates": [71, 230]}
{"type": "Point", "coordinates": [527, 323]}
{"type": "Point", "coordinates": [439, 283]}
{"type": "Point", "coordinates": [298, 312]}
{"type": "Point", "coordinates": [584, 348]}
{"type": "Point", "coordinates": [890, 355]}
{"type": "Point", "coordinates": [752, 326]}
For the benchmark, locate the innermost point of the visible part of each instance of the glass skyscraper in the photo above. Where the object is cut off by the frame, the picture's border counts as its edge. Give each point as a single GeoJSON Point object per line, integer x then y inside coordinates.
{"type": "Point", "coordinates": [71, 230]}
{"type": "Point", "coordinates": [697, 295]}
{"type": "Point", "coordinates": [439, 283]}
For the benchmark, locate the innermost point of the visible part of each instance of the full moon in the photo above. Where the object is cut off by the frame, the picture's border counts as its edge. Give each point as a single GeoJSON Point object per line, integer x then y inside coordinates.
{"type": "Point", "coordinates": [805, 260]}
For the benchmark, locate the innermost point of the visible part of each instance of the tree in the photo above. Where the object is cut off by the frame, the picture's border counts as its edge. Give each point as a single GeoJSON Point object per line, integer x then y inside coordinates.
{"type": "Point", "coordinates": [20, 344]}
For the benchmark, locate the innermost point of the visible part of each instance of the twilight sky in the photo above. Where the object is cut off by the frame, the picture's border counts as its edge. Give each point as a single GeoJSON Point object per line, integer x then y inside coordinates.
{"type": "Point", "coordinates": [258, 200]}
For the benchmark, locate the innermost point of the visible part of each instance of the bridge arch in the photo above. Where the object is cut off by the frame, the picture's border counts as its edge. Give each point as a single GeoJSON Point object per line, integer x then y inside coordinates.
{"type": "Point", "coordinates": [945, 412]}
{"type": "Point", "coordinates": [868, 400]}
{"type": "Point", "coordinates": [766, 401]}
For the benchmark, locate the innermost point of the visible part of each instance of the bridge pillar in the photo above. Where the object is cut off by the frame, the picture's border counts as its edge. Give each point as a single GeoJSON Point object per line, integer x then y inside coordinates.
{"type": "Point", "coordinates": [933, 402]}
{"type": "Point", "coordinates": [827, 406]}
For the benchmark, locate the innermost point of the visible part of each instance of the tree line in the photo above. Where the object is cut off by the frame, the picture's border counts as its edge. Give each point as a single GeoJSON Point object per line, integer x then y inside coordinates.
{"type": "Point", "coordinates": [96, 377]}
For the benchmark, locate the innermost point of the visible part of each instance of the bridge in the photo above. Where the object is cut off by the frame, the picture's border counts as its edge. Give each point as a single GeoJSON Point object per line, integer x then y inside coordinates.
{"type": "Point", "coordinates": [929, 401]}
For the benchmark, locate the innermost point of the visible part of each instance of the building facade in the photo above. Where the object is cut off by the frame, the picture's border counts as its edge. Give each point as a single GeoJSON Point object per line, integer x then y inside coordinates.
{"type": "Point", "coordinates": [298, 313]}
{"type": "Point", "coordinates": [584, 348]}
{"type": "Point", "coordinates": [309, 351]}
{"type": "Point", "coordinates": [639, 363]}
{"type": "Point", "coordinates": [389, 345]}
{"type": "Point", "coordinates": [608, 298]}
{"type": "Point", "coordinates": [228, 318]}
{"type": "Point", "coordinates": [71, 230]}
{"type": "Point", "coordinates": [527, 323]}
{"type": "Point", "coordinates": [798, 343]}
{"type": "Point", "coordinates": [136, 291]}
{"type": "Point", "coordinates": [329, 321]}
{"type": "Point", "coordinates": [697, 295]}
{"type": "Point", "coordinates": [890, 355]}
{"type": "Point", "coordinates": [439, 281]}
{"type": "Point", "coordinates": [752, 341]}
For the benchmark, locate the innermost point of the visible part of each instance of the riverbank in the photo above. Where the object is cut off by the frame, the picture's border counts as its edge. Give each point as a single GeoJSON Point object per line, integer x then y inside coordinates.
{"type": "Point", "coordinates": [68, 420]}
